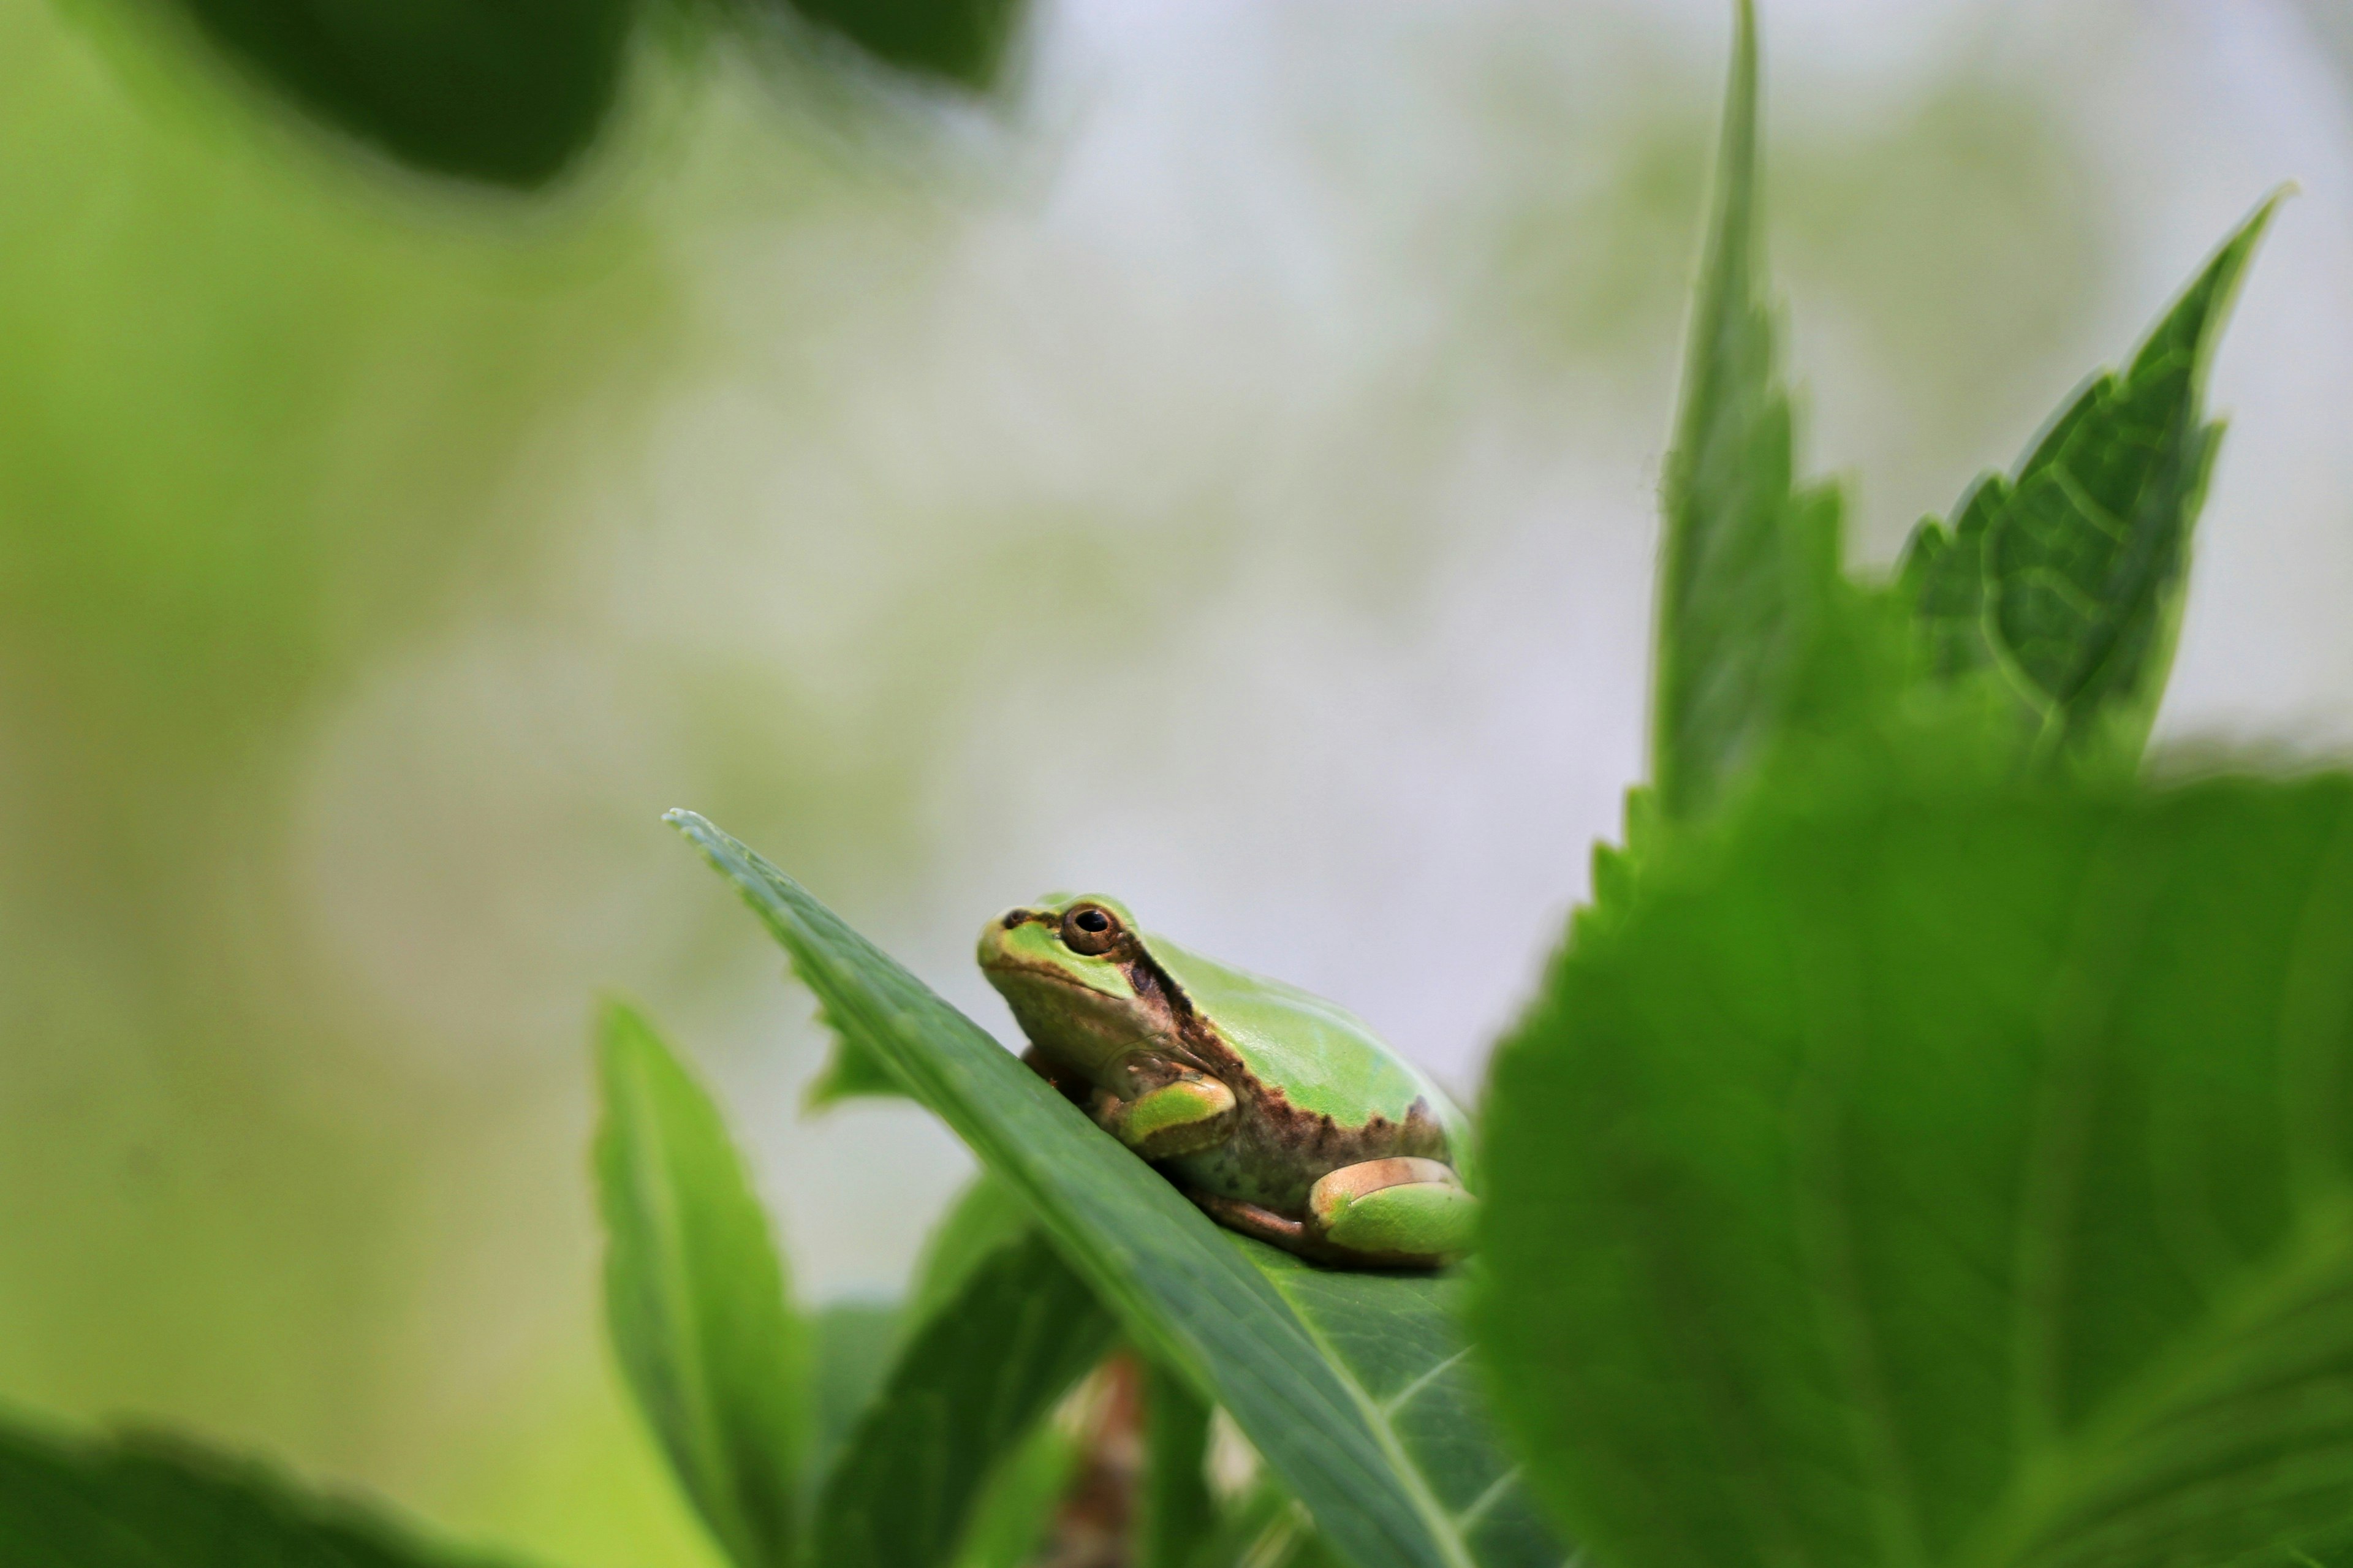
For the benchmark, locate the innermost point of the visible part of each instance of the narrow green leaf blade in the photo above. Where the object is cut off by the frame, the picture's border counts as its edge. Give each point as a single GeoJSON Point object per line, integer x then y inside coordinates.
{"type": "Point", "coordinates": [1748, 563]}
{"type": "Point", "coordinates": [149, 1502]}
{"type": "Point", "coordinates": [1178, 1514]}
{"type": "Point", "coordinates": [1011, 1520]}
{"type": "Point", "coordinates": [1958, 1177]}
{"type": "Point", "coordinates": [695, 1298]}
{"type": "Point", "coordinates": [969, 1389]}
{"type": "Point", "coordinates": [1188, 1295]}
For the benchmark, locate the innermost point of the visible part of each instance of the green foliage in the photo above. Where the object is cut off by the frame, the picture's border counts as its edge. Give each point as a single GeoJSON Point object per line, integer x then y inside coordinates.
{"type": "Point", "coordinates": [960, 41]}
{"type": "Point", "coordinates": [510, 93]}
{"type": "Point", "coordinates": [695, 1299]}
{"type": "Point", "coordinates": [152, 1503]}
{"type": "Point", "coordinates": [980, 1374]}
{"type": "Point", "coordinates": [850, 1073]}
{"type": "Point", "coordinates": [1188, 1292]}
{"type": "Point", "coordinates": [1178, 1513]}
{"type": "Point", "coordinates": [1399, 1340]}
{"type": "Point", "coordinates": [1749, 564]}
{"type": "Point", "coordinates": [2065, 579]}
{"type": "Point", "coordinates": [1010, 1521]}
{"type": "Point", "coordinates": [504, 91]}
{"type": "Point", "coordinates": [851, 1346]}
{"type": "Point", "coordinates": [1956, 1177]}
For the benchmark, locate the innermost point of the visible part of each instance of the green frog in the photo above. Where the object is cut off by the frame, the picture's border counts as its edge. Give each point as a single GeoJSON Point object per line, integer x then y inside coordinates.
{"type": "Point", "coordinates": [1281, 1114]}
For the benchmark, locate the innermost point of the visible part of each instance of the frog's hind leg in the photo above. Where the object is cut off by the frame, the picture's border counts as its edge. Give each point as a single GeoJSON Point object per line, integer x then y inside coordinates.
{"type": "Point", "coordinates": [1265, 1225]}
{"type": "Point", "coordinates": [1401, 1213]}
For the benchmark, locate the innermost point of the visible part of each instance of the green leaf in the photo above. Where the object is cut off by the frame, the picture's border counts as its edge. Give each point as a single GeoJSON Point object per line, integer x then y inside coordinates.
{"type": "Point", "coordinates": [851, 1347]}
{"type": "Point", "coordinates": [961, 41]}
{"type": "Point", "coordinates": [1399, 1340]}
{"type": "Point", "coordinates": [2068, 577]}
{"type": "Point", "coordinates": [1011, 1520]}
{"type": "Point", "coordinates": [850, 1073]}
{"type": "Point", "coordinates": [987, 1216]}
{"type": "Point", "coordinates": [1181, 1287]}
{"type": "Point", "coordinates": [1747, 562]}
{"type": "Point", "coordinates": [148, 1501]}
{"type": "Point", "coordinates": [970, 1387]}
{"type": "Point", "coordinates": [695, 1298]}
{"type": "Point", "coordinates": [1933, 1176]}
{"type": "Point", "coordinates": [503, 91]}
{"type": "Point", "coordinates": [1175, 1514]}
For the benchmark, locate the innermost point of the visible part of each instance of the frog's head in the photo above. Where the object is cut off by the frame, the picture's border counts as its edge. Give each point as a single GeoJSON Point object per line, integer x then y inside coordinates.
{"type": "Point", "coordinates": [1081, 984]}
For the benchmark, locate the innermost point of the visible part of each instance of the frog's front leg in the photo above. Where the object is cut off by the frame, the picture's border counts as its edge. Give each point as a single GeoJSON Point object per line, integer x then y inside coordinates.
{"type": "Point", "coordinates": [1401, 1210]}
{"type": "Point", "coordinates": [1184, 1115]}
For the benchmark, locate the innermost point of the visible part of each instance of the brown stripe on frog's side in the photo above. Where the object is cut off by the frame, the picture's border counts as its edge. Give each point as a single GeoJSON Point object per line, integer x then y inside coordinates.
{"type": "Point", "coordinates": [1277, 1149]}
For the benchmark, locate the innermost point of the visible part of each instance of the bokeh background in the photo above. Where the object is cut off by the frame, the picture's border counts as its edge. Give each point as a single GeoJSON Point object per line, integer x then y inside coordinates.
{"type": "Point", "coordinates": [1217, 470]}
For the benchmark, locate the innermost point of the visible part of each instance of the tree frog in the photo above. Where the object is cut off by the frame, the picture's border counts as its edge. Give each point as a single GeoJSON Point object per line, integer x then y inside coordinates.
{"type": "Point", "coordinates": [1283, 1116]}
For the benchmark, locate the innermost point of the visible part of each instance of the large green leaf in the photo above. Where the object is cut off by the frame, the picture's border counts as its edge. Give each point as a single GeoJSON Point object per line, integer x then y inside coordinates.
{"type": "Point", "coordinates": [1747, 562]}
{"type": "Point", "coordinates": [1187, 1291]}
{"type": "Point", "coordinates": [1928, 1176]}
{"type": "Point", "coordinates": [973, 1381]}
{"type": "Point", "coordinates": [2068, 576]}
{"type": "Point", "coordinates": [695, 1299]}
{"type": "Point", "coordinates": [155, 1503]}
{"type": "Point", "coordinates": [507, 91]}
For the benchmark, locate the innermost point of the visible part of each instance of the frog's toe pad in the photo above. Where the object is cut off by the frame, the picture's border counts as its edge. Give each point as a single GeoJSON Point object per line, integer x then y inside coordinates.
{"type": "Point", "coordinates": [1399, 1211]}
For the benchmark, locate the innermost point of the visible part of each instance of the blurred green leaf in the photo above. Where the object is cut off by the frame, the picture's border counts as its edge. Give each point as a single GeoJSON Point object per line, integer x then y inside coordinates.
{"type": "Point", "coordinates": [1011, 1520]}
{"type": "Point", "coordinates": [2068, 577]}
{"type": "Point", "coordinates": [961, 41]}
{"type": "Point", "coordinates": [852, 1344]}
{"type": "Point", "coordinates": [695, 1298]}
{"type": "Point", "coordinates": [1928, 1175]}
{"type": "Point", "coordinates": [503, 91]}
{"type": "Point", "coordinates": [1175, 1514]}
{"type": "Point", "coordinates": [1747, 562]}
{"type": "Point", "coordinates": [977, 1377]}
{"type": "Point", "coordinates": [1183, 1287]}
{"type": "Point", "coordinates": [150, 1501]}
{"type": "Point", "coordinates": [987, 1216]}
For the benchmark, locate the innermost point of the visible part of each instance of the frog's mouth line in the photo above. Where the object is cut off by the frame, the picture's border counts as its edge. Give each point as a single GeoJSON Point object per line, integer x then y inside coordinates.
{"type": "Point", "coordinates": [1043, 972]}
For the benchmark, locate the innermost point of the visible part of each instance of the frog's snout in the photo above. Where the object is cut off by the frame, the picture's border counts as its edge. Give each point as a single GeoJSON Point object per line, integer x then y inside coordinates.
{"type": "Point", "coordinates": [992, 936]}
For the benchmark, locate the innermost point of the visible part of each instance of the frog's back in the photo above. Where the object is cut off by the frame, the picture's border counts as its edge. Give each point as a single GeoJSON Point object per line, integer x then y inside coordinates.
{"type": "Point", "coordinates": [1325, 1060]}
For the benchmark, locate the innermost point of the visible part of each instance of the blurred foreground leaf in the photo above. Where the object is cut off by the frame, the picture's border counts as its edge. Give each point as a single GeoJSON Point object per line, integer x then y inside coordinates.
{"type": "Point", "coordinates": [1175, 1513]}
{"type": "Point", "coordinates": [1012, 1517]}
{"type": "Point", "coordinates": [1749, 564]}
{"type": "Point", "coordinates": [695, 1298]}
{"type": "Point", "coordinates": [152, 1503]}
{"type": "Point", "coordinates": [973, 1383]}
{"type": "Point", "coordinates": [1929, 1176]}
{"type": "Point", "coordinates": [1187, 1291]}
{"type": "Point", "coordinates": [962, 41]}
{"type": "Point", "coordinates": [2066, 579]}
{"type": "Point", "coordinates": [851, 1346]}
{"type": "Point", "coordinates": [506, 92]}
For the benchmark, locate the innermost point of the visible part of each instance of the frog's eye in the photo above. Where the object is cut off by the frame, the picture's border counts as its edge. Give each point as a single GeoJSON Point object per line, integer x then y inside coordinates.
{"type": "Point", "coordinates": [1090, 929]}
